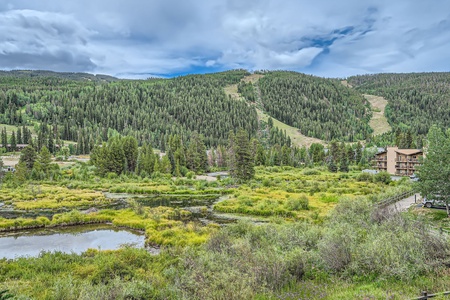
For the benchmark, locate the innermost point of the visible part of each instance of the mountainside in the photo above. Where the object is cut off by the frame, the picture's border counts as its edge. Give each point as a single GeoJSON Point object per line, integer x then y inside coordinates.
{"type": "Point", "coordinates": [319, 107]}
{"type": "Point", "coordinates": [149, 110]}
{"type": "Point", "coordinates": [89, 108]}
{"type": "Point", "coordinates": [415, 100]}
{"type": "Point", "coordinates": [61, 75]}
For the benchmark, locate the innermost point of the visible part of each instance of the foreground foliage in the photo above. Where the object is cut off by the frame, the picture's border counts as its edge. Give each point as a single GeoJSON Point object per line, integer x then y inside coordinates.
{"type": "Point", "coordinates": [434, 174]}
{"type": "Point", "coordinates": [357, 253]}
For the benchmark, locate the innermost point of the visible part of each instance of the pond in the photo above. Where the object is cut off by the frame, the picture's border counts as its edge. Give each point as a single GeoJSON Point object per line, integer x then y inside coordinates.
{"type": "Point", "coordinates": [76, 239]}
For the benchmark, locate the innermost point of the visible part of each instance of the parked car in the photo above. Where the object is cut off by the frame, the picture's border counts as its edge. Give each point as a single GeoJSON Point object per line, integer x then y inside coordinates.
{"type": "Point", "coordinates": [414, 177]}
{"type": "Point", "coordinates": [433, 203]}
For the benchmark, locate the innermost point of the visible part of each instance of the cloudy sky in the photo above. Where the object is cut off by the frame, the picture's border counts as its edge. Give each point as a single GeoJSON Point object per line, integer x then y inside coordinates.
{"type": "Point", "coordinates": [143, 38]}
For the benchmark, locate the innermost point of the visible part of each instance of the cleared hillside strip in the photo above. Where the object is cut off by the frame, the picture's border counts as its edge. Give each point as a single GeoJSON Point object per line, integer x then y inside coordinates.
{"type": "Point", "coordinates": [320, 108]}
{"type": "Point", "coordinates": [415, 100]}
{"type": "Point", "coordinates": [378, 122]}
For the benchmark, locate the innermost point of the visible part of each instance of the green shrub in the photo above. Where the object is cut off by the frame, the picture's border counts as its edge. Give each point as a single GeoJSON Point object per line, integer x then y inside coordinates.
{"type": "Point", "coordinates": [309, 171]}
{"type": "Point", "coordinates": [111, 175]}
{"type": "Point", "coordinates": [383, 177]}
{"type": "Point", "coordinates": [365, 177]}
{"type": "Point", "coordinates": [300, 203]}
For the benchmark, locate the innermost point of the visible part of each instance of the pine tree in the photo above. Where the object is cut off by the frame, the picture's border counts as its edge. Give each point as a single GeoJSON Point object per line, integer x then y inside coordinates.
{"type": "Point", "coordinates": [221, 156]}
{"type": "Point", "coordinates": [51, 144]}
{"type": "Point", "coordinates": [99, 158]}
{"type": "Point", "coordinates": [116, 156]}
{"type": "Point", "coordinates": [28, 157]}
{"type": "Point", "coordinates": [231, 154]}
{"type": "Point", "coordinates": [316, 152]}
{"type": "Point", "coordinates": [4, 139]}
{"type": "Point", "coordinates": [13, 142]}
{"type": "Point", "coordinates": [80, 144]}
{"type": "Point", "coordinates": [21, 173]}
{"type": "Point", "coordinates": [157, 166]}
{"type": "Point", "coordinates": [332, 166]}
{"type": "Point", "coordinates": [25, 136]}
{"type": "Point", "coordinates": [45, 159]}
{"type": "Point", "coordinates": [260, 157]}
{"type": "Point", "coordinates": [40, 139]}
{"type": "Point", "coordinates": [334, 151]}
{"type": "Point", "coordinates": [358, 153]}
{"type": "Point", "coordinates": [19, 136]}
{"type": "Point", "coordinates": [196, 154]}
{"type": "Point", "coordinates": [165, 167]}
{"type": "Point", "coordinates": [130, 149]}
{"type": "Point", "coordinates": [244, 162]}
{"type": "Point", "coordinates": [343, 167]}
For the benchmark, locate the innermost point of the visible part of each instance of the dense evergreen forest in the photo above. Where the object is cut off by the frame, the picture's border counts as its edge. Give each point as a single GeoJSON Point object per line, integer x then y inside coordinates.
{"type": "Point", "coordinates": [321, 108]}
{"type": "Point", "coordinates": [60, 75]}
{"type": "Point", "coordinates": [89, 109]}
{"type": "Point", "coordinates": [151, 110]}
{"type": "Point", "coordinates": [416, 100]}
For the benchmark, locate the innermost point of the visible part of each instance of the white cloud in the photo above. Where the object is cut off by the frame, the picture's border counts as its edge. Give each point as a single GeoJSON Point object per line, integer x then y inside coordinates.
{"type": "Point", "coordinates": [164, 37]}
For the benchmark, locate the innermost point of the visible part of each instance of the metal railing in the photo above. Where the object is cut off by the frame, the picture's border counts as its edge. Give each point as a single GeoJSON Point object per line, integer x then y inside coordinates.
{"type": "Point", "coordinates": [395, 198]}
{"type": "Point", "coordinates": [426, 296]}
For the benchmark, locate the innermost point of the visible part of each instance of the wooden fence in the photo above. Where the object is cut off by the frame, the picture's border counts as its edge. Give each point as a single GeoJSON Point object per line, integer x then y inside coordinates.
{"type": "Point", "coordinates": [426, 296]}
{"type": "Point", "coordinates": [395, 198]}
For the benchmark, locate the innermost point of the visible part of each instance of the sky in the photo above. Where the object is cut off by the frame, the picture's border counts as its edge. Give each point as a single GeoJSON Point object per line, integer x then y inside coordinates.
{"type": "Point", "coordinates": [166, 38]}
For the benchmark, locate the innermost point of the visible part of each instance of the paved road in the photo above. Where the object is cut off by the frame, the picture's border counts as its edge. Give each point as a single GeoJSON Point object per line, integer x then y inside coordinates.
{"type": "Point", "coordinates": [406, 203]}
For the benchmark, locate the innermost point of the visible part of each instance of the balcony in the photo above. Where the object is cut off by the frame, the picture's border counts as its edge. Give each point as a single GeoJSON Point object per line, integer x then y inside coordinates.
{"type": "Point", "coordinates": [413, 160]}
{"type": "Point", "coordinates": [403, 167]}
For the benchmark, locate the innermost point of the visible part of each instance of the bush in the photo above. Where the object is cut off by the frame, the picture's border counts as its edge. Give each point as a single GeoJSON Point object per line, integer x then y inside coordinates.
{"type": "Point", "coordinates": [384, 177]}
{"type": "Point", "coordinates": [308, 171]}
{"type": "Point", "coordinates": [299, 203]}
{"type": "Point", "coordinates": [365, 177]}
{"type": "Point", "coordinates": [112, 175]}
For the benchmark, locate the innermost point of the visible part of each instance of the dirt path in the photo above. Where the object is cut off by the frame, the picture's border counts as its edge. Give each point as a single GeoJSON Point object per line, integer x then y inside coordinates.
{"type": "Point", "coordinates": [378, 122]}
{"type": "Point", "coordinates": [406, 203]}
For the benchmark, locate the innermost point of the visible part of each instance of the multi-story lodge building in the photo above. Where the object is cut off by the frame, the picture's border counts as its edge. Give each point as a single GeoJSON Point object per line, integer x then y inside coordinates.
{"type": "Point", "coordinates": [396, 161]}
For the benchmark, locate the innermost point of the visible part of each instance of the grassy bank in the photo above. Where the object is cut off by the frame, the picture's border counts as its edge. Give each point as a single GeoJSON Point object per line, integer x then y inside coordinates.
{"type": "Point", "coordinates": [353, 254]}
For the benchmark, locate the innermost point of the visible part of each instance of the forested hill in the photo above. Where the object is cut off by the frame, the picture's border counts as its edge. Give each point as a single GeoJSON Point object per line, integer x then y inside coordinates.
{"type": "Point", "coordinates": [319, 107]}
{"type": "Point", "coordinates": [61, 75]}
{"type": "Point", "coordinates": [415, 100]}
{"type": "Point", "coordinates": [150, 110]}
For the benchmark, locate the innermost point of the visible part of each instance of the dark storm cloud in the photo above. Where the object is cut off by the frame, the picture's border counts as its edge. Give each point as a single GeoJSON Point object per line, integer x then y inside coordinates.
{"type": "Point", "coordinates": [330, 38]}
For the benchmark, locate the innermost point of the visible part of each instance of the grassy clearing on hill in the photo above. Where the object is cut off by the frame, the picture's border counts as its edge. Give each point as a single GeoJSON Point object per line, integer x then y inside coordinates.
{"type": "Point", "coordinates": [297, 138]}
{"type": "Point", "coordinates": [378, 122]}
{"type": "Point", "coordinates": [11, 128]}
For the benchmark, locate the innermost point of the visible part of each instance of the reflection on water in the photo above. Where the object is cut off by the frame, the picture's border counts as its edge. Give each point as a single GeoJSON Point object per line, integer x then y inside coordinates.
{"type": "Point", "coordinates": [74, 239]}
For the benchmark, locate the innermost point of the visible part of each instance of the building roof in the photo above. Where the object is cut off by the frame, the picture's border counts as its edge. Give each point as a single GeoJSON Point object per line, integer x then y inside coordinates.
{"type": "Point", "coordinates": [408, 151]}
{"type": "Point", "coordinates": [383, 152]}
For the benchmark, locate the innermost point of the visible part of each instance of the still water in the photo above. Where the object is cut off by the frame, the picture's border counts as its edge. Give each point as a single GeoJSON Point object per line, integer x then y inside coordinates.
{"type": "Point", "coordinates": [69, 240]}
